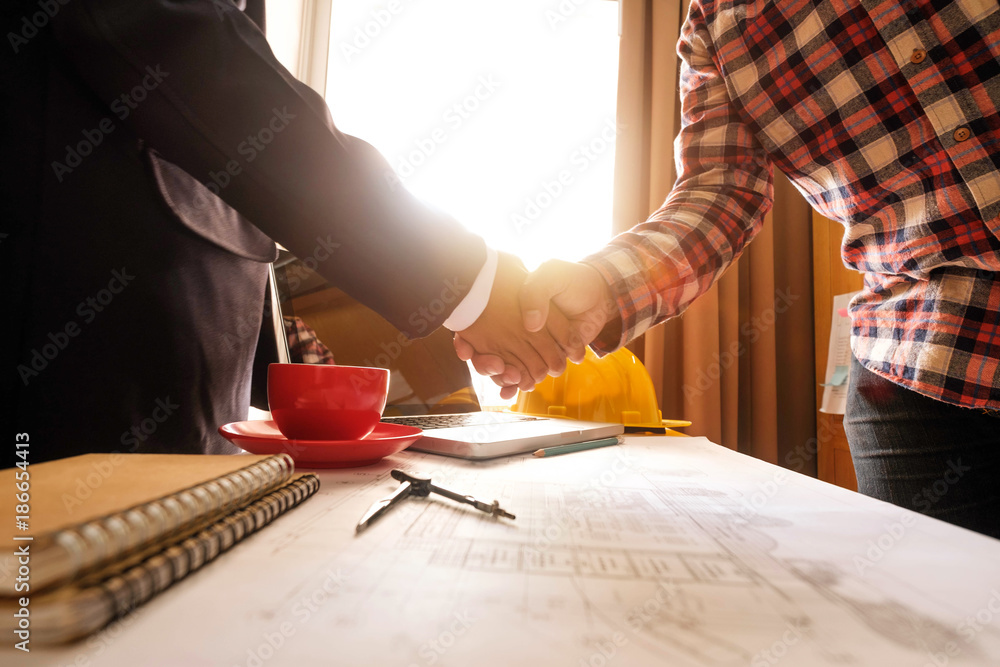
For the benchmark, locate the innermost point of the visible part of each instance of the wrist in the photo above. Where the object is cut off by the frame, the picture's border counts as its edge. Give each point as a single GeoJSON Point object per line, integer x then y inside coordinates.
{"type": "Point", "coordinates": [609, 337]}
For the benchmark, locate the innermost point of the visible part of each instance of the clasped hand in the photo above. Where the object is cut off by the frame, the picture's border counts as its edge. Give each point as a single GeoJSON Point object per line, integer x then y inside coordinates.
{"type": "Point", "coordinates": [534, 322]}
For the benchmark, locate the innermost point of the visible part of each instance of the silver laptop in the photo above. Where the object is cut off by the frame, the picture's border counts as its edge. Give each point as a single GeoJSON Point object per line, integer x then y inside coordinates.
{"type": "Point", "coordinates": [486, 435]}
{"type": "Point", "coordinates": [429, 386]}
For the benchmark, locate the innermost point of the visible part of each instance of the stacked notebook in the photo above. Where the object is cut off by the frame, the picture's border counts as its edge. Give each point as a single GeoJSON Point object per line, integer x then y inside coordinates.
{"type": "Point", "coordinates": [106, 532]}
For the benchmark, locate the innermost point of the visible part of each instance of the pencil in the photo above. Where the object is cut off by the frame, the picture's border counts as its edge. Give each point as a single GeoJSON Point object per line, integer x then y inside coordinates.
{"type": "Point", "coordinates": [578, 446]}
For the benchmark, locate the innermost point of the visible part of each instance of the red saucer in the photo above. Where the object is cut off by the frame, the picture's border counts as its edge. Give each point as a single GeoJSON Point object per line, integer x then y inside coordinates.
{"type": "Point", "coordinates": [263, 437]}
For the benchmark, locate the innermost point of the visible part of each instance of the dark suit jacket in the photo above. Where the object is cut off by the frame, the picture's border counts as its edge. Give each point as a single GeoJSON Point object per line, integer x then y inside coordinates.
{"type": "Point", "coordinates": [152, 151]}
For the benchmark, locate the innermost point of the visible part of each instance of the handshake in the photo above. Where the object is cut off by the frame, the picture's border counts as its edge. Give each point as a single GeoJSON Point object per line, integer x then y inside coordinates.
{"type": "Point", "coordinates": [534, 322]}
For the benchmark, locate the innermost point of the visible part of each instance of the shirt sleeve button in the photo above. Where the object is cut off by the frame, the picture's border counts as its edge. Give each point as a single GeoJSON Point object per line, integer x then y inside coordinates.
{"type": "Point", "coordinates": [961, 134]}
{"type": "Point", "coordinates": [918, 56]}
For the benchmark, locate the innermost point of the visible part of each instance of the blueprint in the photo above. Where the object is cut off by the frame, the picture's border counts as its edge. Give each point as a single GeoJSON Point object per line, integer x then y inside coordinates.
{"type": "Point", "coordinates": [662, 551]}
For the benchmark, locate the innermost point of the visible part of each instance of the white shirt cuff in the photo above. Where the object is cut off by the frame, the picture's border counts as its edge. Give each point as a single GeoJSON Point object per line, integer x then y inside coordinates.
{"type": "Point", "coordinates": [474, 303]}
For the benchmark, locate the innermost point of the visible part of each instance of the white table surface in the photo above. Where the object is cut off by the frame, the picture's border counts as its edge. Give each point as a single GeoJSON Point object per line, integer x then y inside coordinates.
{"type": "Point", "coordinates": [661, 551]}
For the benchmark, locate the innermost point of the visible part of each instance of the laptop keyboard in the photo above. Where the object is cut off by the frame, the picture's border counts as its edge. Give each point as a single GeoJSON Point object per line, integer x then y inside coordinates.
{"type": "Point", "coordinates": [427, 422]}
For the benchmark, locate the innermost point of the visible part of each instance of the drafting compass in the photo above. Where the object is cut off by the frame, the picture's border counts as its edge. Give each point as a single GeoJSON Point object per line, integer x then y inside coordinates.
{"type": "Point", "coordinates": [421, 487]}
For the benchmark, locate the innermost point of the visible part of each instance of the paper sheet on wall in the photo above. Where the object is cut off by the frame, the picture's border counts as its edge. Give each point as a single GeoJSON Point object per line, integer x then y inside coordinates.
{"type": "Point", "coordinates": [838, 358]}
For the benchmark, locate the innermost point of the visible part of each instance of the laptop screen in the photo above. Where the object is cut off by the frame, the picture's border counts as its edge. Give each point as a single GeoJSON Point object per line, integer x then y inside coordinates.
{"type": "Point", "coordinates": [322, 324]}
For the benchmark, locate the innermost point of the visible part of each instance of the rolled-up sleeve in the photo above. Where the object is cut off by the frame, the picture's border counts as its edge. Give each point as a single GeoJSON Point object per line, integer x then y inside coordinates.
{"type": "Point", "coordinates": [717, 205]}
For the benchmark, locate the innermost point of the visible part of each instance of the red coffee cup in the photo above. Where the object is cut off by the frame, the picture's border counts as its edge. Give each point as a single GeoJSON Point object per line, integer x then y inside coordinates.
{"type": "Point", "coordinates": [320, 402]}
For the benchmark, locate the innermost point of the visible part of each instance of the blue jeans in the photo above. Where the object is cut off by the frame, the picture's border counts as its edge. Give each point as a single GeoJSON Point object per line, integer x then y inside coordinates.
{"type": "Point", "coordinates": [923, 454]}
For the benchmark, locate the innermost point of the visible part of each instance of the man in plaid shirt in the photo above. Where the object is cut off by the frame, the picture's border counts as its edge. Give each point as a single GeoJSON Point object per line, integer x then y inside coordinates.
{"type": "Point", "coordinates": [884, 114]}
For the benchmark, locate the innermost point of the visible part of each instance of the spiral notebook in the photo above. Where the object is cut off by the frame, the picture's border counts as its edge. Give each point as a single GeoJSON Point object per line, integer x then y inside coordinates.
{"type": "Point", "coordinates": [104, 533]}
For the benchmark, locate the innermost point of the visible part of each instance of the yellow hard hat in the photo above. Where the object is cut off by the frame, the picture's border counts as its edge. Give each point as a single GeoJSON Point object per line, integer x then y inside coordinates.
{"type": "Point", "coordinates": [614, 388]}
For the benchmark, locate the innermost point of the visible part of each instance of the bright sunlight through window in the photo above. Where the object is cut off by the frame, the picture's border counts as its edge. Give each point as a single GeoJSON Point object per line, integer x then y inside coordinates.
{"type": "Point", "coordinates": [501, 113]}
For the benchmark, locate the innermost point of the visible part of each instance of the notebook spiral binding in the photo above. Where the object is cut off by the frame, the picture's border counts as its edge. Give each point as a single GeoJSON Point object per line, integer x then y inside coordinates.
{"type": "Point", "coordinates": [117, 595]}
{"type": "Point", "coordinates": [99, 542]}
{"type": "Point", "coordinates": [135, 586]}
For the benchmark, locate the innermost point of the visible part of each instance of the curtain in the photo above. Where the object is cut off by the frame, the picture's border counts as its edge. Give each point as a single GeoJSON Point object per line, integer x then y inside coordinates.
{"type": "Point", "coordinates": [739, 362]}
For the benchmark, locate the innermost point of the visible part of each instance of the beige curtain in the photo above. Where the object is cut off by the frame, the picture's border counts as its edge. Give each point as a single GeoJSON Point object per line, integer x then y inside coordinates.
{"type": "Point", "coordinates": [739, 362]}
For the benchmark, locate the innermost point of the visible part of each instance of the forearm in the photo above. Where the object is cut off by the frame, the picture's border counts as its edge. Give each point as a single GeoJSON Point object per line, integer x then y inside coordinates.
{"type": "Point", "coordinates": [723, 191]}
{"type": "Point", "coordinates": [658, 268]}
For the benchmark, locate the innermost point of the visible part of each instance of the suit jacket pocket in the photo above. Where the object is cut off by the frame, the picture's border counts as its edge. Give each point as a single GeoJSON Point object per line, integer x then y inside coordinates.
{"type": "Point", "coordinates": [205, 214]}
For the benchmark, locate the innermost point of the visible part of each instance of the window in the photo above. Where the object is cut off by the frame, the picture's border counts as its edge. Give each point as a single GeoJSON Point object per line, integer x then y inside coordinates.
{"type": "Point", "coordinates": [500, 112]}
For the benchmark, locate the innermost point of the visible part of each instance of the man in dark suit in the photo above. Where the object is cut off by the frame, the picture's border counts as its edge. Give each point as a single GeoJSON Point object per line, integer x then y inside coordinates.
{"type": "Point", "coordinates": [154, 152]}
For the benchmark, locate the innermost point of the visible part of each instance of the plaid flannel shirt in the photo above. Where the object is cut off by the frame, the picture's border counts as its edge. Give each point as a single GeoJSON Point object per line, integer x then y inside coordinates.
{"type": "Point", "coordinates": [884, 114]}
